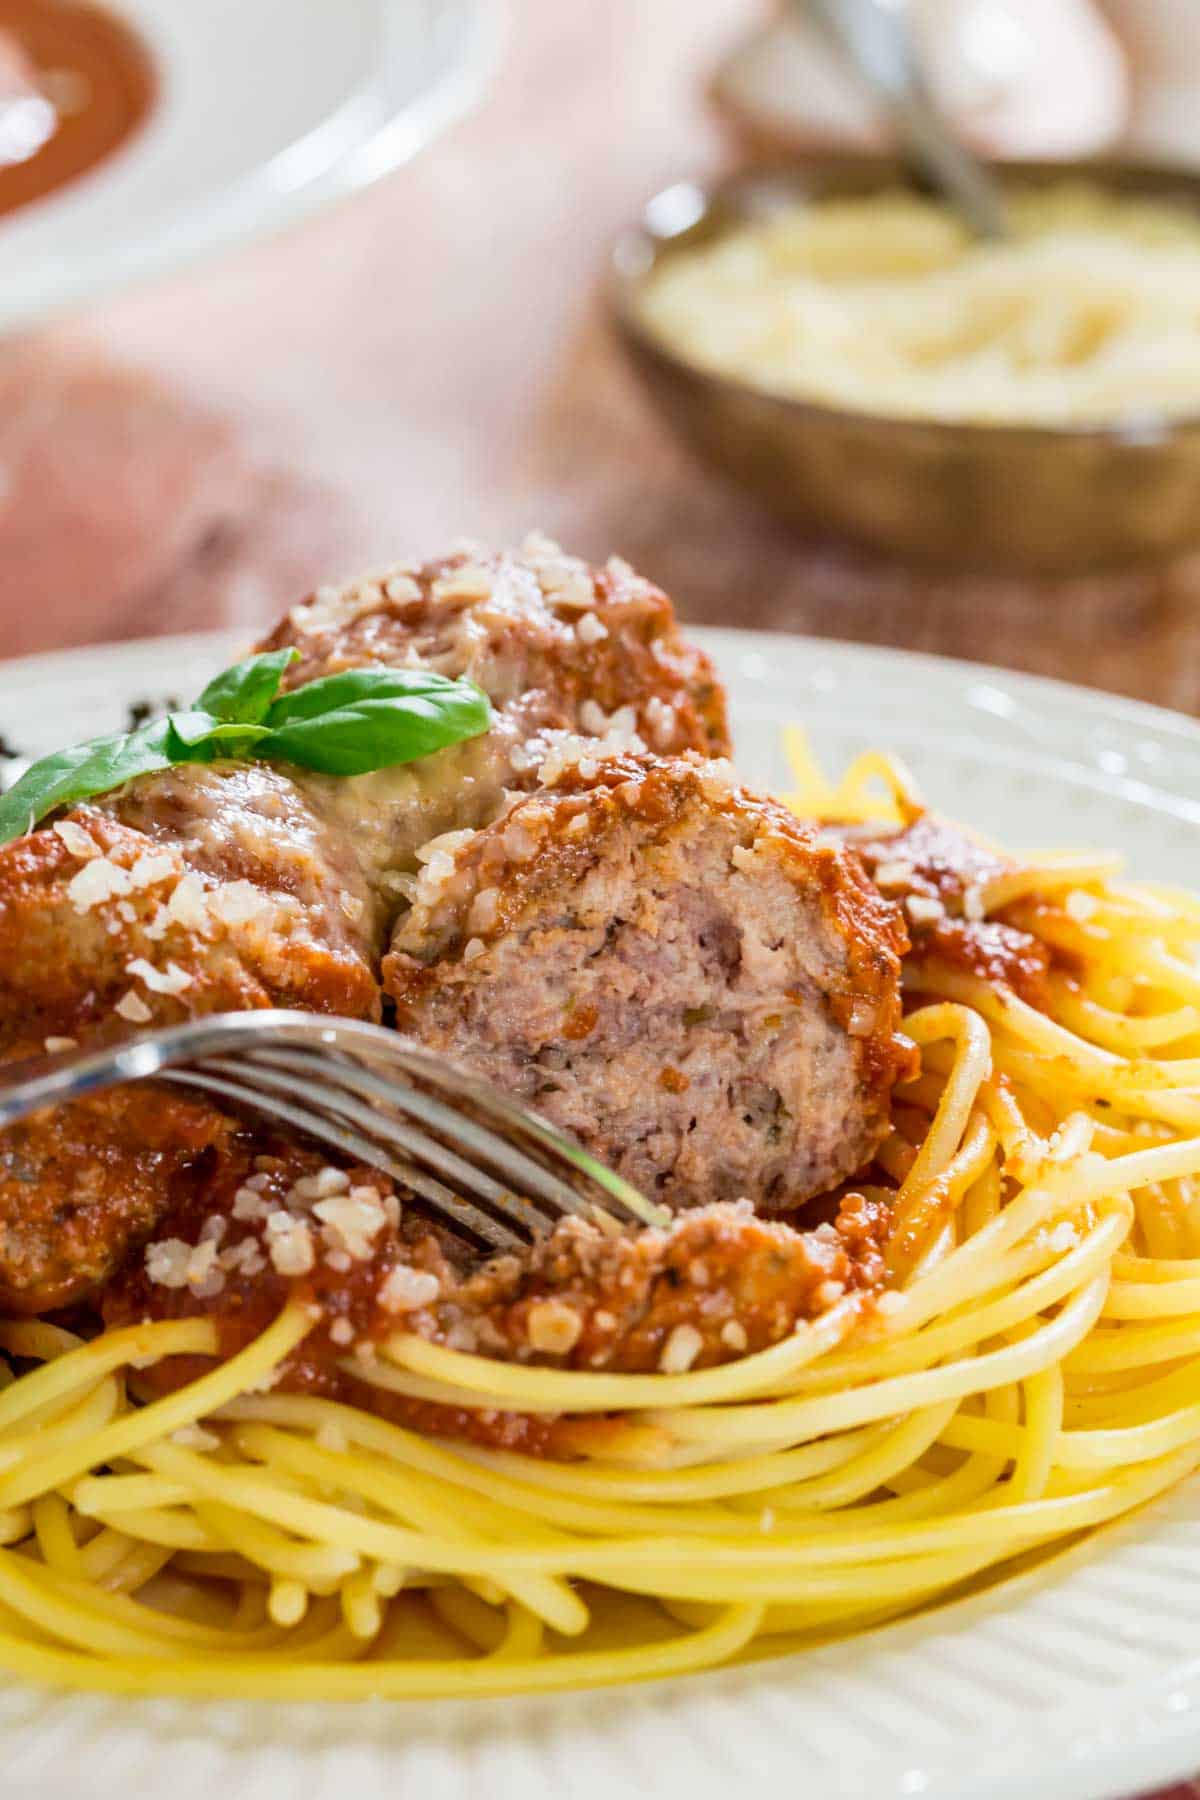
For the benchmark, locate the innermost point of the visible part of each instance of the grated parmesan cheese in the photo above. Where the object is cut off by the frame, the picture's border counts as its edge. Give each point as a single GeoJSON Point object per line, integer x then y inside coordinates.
{"type": "Point", "coordinates": [351, 1222]}
{"type": "Point", "coordinates": [79, 842]}
{"type": "Point", "coordinates": [924, 909]}
{"type": "Point", "coordinates": [407, 1290]}
{"type": "Point", "coordinates": [438, 864]}
{"type": "Point", "coordinates": [237, 903]}
{"type": "Point", "coordinates": [717, 779]}
{"type": "Point", "coordinates": [131, 1006]}
{"type": "Point", "coordinates": [98, 880]}
{"type": "Point", "coordinates": [167, 1261]}
{"type": "Point", "coordinates": [188, 904]}
{"type": "Point", "coordinates": [171, 980]}
{"type": "Point", "coordinates": [290, 1244]}
{"type": "Point", "coordinates": [484, 910]}
{"type": "Point", "coordinates": [661, 719]}
{"type": "Point", "coordinates": [894, 874]}
{"type": "Point", "coordinates": [973, 904]}
{"type": "Point", "coordinates": [151, 867]}
{"type": "Point", "coordinates": [471, 581]}
{"type": "Point", "coordinates": [172, 1263]}
{"type": "Point", "coordinates": [243, 1258]}
{"type": "Point", "coordinates": [320, 1186]}
{"type": "Point", "coordinates": [554, 1327]}
{"type": "Point", "coordinates": [680, 1350]}
{"type": "Point", "coordinates": [401, 586]}
{"type": "Point", "coordinates": [251, 1205]}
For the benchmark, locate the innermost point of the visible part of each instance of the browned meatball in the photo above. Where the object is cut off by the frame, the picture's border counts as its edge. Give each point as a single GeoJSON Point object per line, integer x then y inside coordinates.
{"type": "Point", "coordinates": [556, 646]}
{"type": "Point", "coordinates": [531, 622]}
{"type": "Point", "coordinates": [77, 1195]}
{"type": "Point", "coordinates": [103, 930]}
{"type": "Point", "coordinates": [102, 927]}
{"type": "Point", "coordinates": [251, 822]}
{"type": "Point", "coordinates": [673, 970]}
{"type": "Point", "coordinates": [716, 1285]}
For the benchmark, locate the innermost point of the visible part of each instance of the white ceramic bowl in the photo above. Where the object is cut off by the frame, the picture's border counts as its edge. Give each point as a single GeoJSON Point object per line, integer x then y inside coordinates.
{"type": "Point", "coordinates": [266, 110]}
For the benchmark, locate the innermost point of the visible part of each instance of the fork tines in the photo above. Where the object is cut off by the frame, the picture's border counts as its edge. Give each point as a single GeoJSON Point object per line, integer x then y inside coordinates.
{"type": "Point", "coordinates": [487, 1167]}
{"type": "Point", "coordinates": [503, 1190]}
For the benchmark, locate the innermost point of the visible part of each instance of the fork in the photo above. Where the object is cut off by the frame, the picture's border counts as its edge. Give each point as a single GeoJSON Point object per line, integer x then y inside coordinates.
{"type": "Point", "coordinates": [490, 1169]}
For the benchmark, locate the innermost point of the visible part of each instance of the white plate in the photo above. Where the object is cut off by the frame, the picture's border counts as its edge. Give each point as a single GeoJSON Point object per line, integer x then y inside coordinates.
{"type": "Point", "coordinates": [266, 110]}
{"type": "Point", "coordinates": [1078, 1682]}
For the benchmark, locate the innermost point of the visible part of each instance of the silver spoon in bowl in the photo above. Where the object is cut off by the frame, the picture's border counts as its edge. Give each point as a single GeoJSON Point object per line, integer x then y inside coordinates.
{"type": "Point", "coordinates": [876, 38]}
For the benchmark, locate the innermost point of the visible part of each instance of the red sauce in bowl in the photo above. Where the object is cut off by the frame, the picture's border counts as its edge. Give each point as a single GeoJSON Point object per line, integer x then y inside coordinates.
{"type": "Point", "coordinates": [75, 83]}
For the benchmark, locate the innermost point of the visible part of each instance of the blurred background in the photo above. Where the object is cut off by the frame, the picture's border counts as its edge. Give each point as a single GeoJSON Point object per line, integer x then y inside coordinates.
{"type": "Point", "coordinates": [218, 387]}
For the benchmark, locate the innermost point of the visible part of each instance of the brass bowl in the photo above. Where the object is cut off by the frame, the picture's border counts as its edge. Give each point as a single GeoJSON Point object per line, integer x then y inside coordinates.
{"type": "Point", "coordinates": [1026, 498]}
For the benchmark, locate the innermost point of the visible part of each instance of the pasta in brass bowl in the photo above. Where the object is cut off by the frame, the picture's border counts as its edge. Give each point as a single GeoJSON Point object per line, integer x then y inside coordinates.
{"type": "Point", "coordinates": [833, 342]}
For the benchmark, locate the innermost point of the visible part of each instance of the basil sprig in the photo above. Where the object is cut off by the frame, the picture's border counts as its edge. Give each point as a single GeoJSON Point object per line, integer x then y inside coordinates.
{"type": "Point", "coordinates": [344, 724]}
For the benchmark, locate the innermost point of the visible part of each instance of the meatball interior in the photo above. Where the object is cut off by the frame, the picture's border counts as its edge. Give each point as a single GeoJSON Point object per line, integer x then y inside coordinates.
{"type": "Point", "coordinates": [671, 969]}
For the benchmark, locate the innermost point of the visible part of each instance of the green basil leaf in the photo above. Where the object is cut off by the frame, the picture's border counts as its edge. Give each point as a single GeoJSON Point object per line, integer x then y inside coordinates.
{"type": "Point", "coordinates": [334, 692]}
{"type": "Point", "coordinates": [81, 773]}
{"type": "Point", "coordinates": [242, 694]}
{"type": "Point", "coordinates": [345, 724]}
{"type": "Point", "coordinates": [364, 719]}
{"type": "Point", "coordinates": [197, 737]}
{"type": "Point", "coordinates": [193, 726]}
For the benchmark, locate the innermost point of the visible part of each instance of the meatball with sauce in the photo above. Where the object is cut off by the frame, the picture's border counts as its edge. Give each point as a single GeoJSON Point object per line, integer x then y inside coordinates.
{"type": "Point", "coordinates": [673, 970]}
{"type": "Point", "coordinates": [231, 885]}
{"type": "Point", "coordinates": [558, 647]}
{"type": "Point", "coordinates": [105, 929]}
{"type": "Point", "coordinates": [716, 1284]}
{"type": "Point", "coordinates": [941, 873]}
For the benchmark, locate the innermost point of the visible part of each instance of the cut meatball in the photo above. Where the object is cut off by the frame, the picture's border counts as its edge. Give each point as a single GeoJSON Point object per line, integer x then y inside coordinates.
{"type": "Point", "coordinates": [717, 1284]}
{"type": "Point", "coordinates": [556, 646]}
{"type": "Point", "coordinates": [671, 969]}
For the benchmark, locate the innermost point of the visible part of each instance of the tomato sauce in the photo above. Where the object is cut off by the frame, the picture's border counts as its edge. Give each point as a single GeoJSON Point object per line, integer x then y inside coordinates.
{"type": "Point", "coordinates": [75, 84]}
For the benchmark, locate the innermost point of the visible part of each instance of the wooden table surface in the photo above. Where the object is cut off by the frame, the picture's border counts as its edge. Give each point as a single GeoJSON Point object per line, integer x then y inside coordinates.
{"type": "Point", "coordinates": [433, 360]}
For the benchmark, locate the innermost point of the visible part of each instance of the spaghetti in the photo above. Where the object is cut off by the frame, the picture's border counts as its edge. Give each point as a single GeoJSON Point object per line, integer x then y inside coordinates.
{"type": "Point", "coordinates": [885, 303]}
{"type": "Point", "coordinates": [1029, 1373]}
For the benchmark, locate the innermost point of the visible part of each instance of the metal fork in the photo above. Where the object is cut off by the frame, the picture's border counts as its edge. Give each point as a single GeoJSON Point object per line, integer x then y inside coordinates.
{"type": "Point", "coordinates": [490, 1169]}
